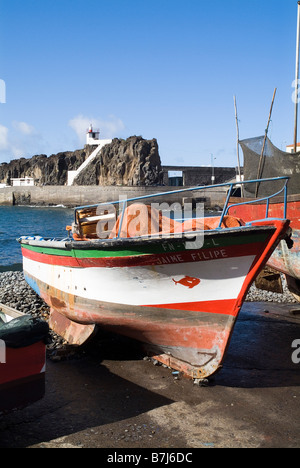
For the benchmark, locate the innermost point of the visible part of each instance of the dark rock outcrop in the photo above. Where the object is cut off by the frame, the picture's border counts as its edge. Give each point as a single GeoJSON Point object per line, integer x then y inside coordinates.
{"type": "Point", "coordinates": [130, 162]}
{"type": "Point", "coordinates": [134, 161]}
{"type": "Point", "coordinates": [45, 170]}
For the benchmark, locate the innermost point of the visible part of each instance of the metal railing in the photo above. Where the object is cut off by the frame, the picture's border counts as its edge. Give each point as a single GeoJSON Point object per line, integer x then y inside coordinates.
{"type": "Point", "coordinates": [267, 199]}
{"type": "Point", "coordinates": [230, 185]}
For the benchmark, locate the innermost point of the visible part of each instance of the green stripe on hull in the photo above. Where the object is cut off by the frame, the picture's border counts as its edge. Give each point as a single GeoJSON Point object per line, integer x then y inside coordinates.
{"type": "Point", "coordinates": [49, 251]}
{"type": "Point", "coordinates": [164, 247]}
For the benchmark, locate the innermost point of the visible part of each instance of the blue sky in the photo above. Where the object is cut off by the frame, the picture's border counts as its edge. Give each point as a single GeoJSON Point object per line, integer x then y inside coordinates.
{"type": "Point", "coordinates": [164, 69]}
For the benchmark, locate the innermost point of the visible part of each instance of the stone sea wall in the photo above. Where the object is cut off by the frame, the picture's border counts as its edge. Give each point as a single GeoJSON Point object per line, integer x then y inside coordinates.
{"type": "Point", "coordinates": [86, 195]}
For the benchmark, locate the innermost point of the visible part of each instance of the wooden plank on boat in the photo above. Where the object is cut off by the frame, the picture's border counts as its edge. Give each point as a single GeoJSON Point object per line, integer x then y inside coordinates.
{"type": "Point", "coordinates": [10, 311]}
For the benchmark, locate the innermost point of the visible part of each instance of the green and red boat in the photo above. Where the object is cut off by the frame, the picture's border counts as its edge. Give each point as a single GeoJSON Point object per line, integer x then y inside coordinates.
{"type": "Point", "coordinates": [176, 287]}
{"type": "Point", "coordinates": [22, 359]}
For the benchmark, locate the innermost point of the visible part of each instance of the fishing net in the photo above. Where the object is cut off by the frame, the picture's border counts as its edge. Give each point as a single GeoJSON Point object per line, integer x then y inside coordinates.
{"type": "Point", "coordinates": [274, 163]}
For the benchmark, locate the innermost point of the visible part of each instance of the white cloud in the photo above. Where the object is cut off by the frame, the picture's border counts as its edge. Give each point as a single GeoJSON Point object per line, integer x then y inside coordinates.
{"type": "Point", "coordinates": [24, 128]}
{"type": "Point", "coordinates": [3, 137]}
{"type": "Point", "coordinates": [19, 140]}
{"type": "Point", "coordinates": [110, 128]}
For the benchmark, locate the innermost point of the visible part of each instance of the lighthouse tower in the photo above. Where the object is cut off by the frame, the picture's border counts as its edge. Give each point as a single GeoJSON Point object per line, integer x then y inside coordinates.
{"type": "Point", "coordinates": [92, 136]}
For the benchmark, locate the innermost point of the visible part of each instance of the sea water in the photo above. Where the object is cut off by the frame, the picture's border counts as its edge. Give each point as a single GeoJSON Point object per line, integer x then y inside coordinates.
{"type": "Point", "coordinates": [17, 221]}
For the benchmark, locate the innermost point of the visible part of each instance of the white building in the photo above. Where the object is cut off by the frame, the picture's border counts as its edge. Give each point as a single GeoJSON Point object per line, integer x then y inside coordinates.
{"type": "Point", "coordinates": [290, 148]}
{"type": "Point", "coordinates": [22, 182]}
{"type": "Point", "coordinates": [92, 138]}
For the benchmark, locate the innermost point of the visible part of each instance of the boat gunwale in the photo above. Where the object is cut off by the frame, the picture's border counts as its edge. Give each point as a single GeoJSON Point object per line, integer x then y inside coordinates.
{"type": "Point", "coordinates": [110, 244]}
{"type": "Point", "coordinates": [273, 201]}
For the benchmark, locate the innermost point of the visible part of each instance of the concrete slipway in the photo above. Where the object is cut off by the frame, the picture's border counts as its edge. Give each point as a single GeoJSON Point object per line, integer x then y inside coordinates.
{"type": "Point", "coordinates": [110, 397]}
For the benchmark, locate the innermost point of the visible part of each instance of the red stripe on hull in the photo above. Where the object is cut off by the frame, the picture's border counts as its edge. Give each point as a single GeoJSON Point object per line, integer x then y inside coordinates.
{"type": "Point", "coordinates": [50, 259]}
{"type": "Point", "coordinates": [144, 260]}
{"type": "Point", "coordinates": [224, 307]}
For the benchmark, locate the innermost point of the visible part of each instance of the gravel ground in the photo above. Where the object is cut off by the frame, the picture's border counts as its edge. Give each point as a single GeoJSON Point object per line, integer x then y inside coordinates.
{"type": "Point", "coordinates": [258, 295]}
{"type": "Point", "coordinates": [16, 293]}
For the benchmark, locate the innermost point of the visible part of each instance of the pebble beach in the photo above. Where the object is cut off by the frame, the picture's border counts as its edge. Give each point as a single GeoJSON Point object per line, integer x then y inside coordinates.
{"type": "Point", "coordinates": [16, 293]}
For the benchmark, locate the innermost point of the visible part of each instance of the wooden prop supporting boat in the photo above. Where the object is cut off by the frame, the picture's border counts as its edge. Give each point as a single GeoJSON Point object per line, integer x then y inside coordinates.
{"type": "Point", "coordinates": [22, 359]}
{"type": "Point", "coordinates": [177, 290]}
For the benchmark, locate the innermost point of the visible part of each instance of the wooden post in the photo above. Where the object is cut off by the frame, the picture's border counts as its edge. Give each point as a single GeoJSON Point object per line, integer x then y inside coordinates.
{"type": "Point", "coordinates": [238, 146]}
{"type": "Point", "coordinates": [260, 166]}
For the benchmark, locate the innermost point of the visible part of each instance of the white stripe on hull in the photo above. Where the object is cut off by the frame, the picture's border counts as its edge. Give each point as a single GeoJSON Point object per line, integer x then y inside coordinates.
{"type": "Point", "coordinates": [147, 285]}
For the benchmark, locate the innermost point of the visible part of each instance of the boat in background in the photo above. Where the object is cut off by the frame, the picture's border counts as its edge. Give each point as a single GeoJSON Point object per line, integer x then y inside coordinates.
{"type": "Point", "coordinates": [22, 359]}
{"type": "Point", "coordinates": [175, 286]}
{"type": "Point", "coordinates": [256, 201]}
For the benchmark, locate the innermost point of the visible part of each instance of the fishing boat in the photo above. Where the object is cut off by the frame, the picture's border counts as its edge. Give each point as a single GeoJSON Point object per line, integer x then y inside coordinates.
{"type": "Point", "coordinates": [22, 359]}
{"type": "Point", "coordinates": [175, 285]}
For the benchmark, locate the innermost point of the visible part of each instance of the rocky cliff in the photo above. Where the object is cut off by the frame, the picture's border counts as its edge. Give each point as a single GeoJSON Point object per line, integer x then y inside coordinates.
{"type": "Point", "coordinates": [134, 161]}
{"type": "Point", "coordinates": [130, 162]}
{"type": "Point", "coordinates": [45, 170]}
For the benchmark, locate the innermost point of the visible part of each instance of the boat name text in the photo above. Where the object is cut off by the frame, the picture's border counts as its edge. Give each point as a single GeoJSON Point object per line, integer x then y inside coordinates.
{"type": "Point", "coordinates": [193, 256]}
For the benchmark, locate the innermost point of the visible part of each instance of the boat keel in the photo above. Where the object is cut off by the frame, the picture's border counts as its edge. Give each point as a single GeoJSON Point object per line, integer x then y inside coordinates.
{"type": "Point", "coordinates": [74, 333]}
{"type": "Point", "coordinates": [188, 370]}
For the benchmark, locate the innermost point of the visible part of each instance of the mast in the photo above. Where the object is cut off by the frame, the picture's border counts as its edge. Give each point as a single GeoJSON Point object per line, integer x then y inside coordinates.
{"type": "Point", "coordinates": [237, 144]}
{"type": "Point", "coordinates": [262, 156]}
{"type": "Point", "coordinates": [297, 80]}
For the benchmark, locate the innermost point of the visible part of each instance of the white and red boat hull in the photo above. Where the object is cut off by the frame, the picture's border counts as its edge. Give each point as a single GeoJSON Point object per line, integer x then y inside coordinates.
{"type": "Point", "coordinates": [181, 303]}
